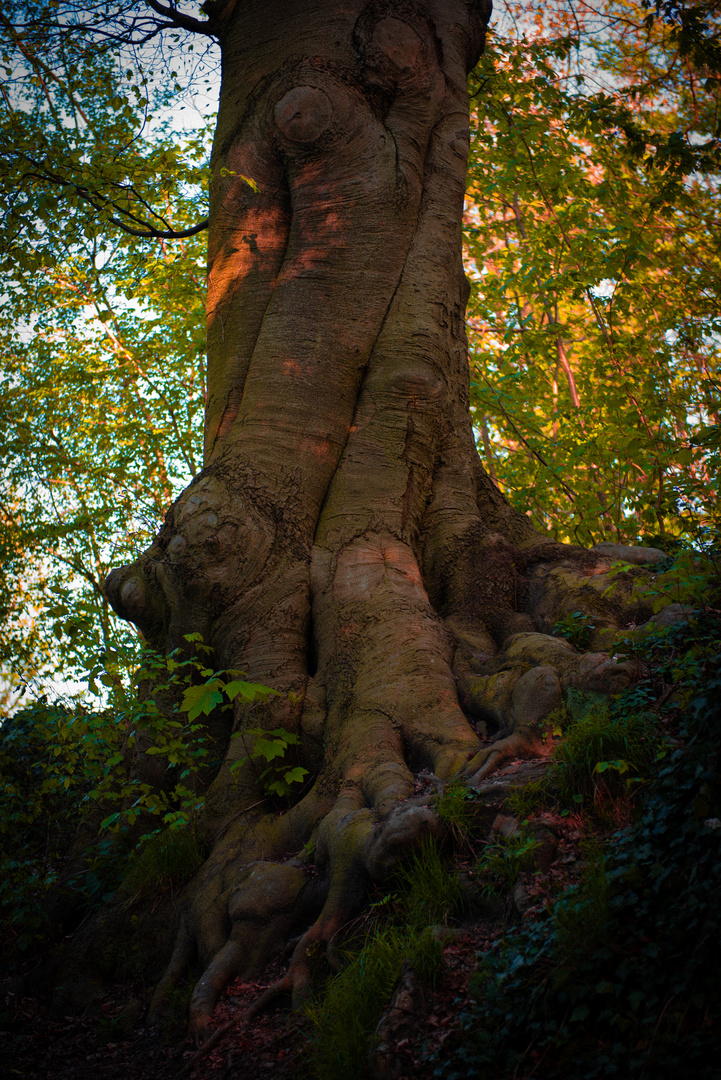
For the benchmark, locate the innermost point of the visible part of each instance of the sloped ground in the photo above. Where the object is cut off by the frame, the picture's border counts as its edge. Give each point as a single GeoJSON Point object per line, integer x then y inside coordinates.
{"type": "Point", "coordinates": [631, 995]}
{"type": "Point", "coordinates": [112, 1042]}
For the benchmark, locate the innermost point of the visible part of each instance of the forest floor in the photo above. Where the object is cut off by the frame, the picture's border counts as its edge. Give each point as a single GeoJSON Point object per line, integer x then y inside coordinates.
{"type": "Point", "coordinates": [655, 919]}
{"type": "Point", "coordinates": [110, 1042]}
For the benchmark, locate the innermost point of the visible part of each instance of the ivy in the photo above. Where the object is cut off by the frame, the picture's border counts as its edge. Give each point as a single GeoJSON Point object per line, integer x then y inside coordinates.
{"type": "Point", "coordinates": [619, 978]}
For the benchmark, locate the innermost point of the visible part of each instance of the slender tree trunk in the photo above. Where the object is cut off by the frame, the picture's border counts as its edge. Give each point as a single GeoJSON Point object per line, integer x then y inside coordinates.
{"type": "Point", "coordinates": [343, 542]}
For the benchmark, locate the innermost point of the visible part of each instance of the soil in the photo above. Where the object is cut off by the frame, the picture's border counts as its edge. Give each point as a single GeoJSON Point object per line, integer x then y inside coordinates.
{"type": "Point", "coordinates": [111, 1042]}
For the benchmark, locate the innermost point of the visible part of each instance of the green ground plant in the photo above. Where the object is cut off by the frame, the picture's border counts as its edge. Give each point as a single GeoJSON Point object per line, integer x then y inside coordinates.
{"type": "Point", "coordinates": [455, 806]}
{"type": "Point", "coordinates": [61, 764]}
{"type": "Point", "coordinates": [353, 1003]}
{"type": "Point", "coordinates": [619, 978]}
{"type": "Point", "coordinates": [344, 1019]}
{"type": "Point", "coordinates": [432, 892]}
{"type": "Point", "coordinates": [503, 860]}
{"type": "Point", "coordinates": [607, 752]}
{"type": "Point", "coordinates": [576, 628]}
{"type": "Point", "coordinates": [530, 798]}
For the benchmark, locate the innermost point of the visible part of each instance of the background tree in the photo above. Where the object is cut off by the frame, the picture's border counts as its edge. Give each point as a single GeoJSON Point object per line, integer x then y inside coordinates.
{"type": "Point", "coordinates": [591, 223]}
{"type": "Point", "coordinates": [102, 340]}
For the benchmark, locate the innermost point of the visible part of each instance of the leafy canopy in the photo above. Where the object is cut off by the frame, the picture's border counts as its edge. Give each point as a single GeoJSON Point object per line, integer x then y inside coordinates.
{"type": "Point", "coordinates": [591, 232]}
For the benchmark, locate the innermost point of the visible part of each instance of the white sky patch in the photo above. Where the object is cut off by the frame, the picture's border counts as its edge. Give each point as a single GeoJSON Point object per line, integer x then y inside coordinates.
{"type": "Point", "coordinates": [605, 289]}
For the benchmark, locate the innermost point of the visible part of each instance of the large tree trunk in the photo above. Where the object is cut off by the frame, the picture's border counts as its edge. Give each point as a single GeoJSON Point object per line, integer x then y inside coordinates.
{"type": "Point", "coordinates": [343, 542]}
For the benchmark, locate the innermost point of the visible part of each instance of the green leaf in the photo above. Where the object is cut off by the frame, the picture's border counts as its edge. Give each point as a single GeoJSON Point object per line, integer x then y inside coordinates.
{"type": "Point", "coordinates": [295, 776]}
{"type": "Point", "coordinates": [248, 691]}
{"type": "Point", "coordinates": [269, 749]}
{"type": "Point", "coordinates": [202, 699]}
{"type": "Point", "coordinates": [277, 787]}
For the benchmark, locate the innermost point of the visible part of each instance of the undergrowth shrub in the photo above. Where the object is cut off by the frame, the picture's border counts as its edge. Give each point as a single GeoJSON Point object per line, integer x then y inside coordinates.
{"type": "Point", "coordinates": [503, 860]}
{"type": "Point", "coordinates": [608, 749]}
{"type": "Point", "coordinates": [455, 806]}
{"type": "Point", "coordinates": [62, 764]}
{"type": "Point", "coordinates": [354, 1000]}
{"type": "Point", "coordinates": [431, 892]}
{"type": "Point", "coordinates": [45, 782]}
{"type": "Point", "coordinates": [346, 1015]}
{"type": "Point", "coordinates": [620, 978]}
{"type": "Point", "coordinates": [530, 798]}
{"type": "Point", "coordinates": [352, 1006]}
{"type": "Point", "coordinates": [164, 861]}
{"type": "Point", "coordinates": [575, 627]}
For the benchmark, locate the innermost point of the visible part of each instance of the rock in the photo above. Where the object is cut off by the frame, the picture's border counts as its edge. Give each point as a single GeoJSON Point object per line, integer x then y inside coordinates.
{"type": "Point", "coordinates": [444, 934]}
{"type": "Point", "coordinates": [129, 1017]}
{"type": "Point", "coordinates": [521, 900]}
{"type": "Point", "coordinates": [505, 825]}
{"type": "Point", "coordinates": [669, 616]}
{"type": "Point", "coordinates": [547, 850]}
{"type": "Point", "coordinates": [596, 673]}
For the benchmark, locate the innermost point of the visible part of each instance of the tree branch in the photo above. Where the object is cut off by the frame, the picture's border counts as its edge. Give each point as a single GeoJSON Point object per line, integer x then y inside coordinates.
{"type": "Point", "coordinates": [147, 231]}
{"type": "Point", "coordinates": [176, 18]}
{"type": "Point", "coordinates": [161, 234]}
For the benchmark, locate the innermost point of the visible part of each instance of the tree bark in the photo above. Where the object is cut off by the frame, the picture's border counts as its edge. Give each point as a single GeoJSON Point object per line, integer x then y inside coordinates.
{"type": "Point", "coordinates": [343, 543]}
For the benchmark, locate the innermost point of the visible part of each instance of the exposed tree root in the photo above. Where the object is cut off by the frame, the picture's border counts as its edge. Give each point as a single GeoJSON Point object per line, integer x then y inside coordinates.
{"type": "Point", "coordinates": [374, 616]}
